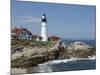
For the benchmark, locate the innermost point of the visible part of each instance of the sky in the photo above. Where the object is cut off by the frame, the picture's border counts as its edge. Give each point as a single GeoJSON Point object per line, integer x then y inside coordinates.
{"type": "Point", "coordinates": [64, 20]}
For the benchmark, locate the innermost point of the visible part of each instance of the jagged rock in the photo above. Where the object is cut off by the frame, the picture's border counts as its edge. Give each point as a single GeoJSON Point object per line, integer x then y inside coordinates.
{"type": "Point", "coordinates": [32, 56]}
{"type": "Point", "coordinates": [29, 57]}
{"type": "Point", "coordinates": [78, 45]}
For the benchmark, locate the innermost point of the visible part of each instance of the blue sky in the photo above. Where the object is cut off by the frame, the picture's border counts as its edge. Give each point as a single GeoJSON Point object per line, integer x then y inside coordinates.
{"type": "Point", "coordinates": [64, 20]}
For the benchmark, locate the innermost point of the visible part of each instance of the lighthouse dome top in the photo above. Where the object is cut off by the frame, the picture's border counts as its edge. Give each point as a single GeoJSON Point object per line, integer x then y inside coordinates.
{"type": "Point", "coordinates": [44, 14]}
{"type": "Point", "coordinates": [44, 18]}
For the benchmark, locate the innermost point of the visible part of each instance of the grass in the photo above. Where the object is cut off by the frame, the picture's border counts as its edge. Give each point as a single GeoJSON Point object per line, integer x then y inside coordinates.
{"type": "Point", "coordinates": [32, 43]}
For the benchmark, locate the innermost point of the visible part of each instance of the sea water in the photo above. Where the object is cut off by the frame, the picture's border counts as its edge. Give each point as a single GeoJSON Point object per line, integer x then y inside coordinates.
{"type": "Point", "coordinates": [65, 65]}
{"type": "Point", "coordinates": [74, 65]}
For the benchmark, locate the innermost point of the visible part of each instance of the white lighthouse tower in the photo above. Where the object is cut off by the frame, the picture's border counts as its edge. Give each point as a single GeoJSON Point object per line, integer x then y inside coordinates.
{"type": "Point", "coordinates": [44, 28]}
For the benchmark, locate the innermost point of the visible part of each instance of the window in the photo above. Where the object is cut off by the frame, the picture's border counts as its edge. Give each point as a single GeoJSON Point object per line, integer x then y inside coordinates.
{"type": "Point", "coordinates": [23, 33]}
{"type": "Point", "coordinates": [20, 37]}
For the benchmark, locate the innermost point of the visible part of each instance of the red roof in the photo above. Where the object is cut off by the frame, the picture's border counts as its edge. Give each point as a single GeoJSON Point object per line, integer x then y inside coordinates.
{"type": "Point", "coordinates": [20, 30]}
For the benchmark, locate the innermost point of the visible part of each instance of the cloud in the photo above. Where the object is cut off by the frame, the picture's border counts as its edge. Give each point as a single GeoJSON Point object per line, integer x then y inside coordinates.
{"type": "Point", "coordinates": [30, 19]}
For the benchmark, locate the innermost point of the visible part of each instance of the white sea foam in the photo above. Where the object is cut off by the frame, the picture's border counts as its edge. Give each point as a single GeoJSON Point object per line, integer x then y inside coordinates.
{"type": "Point", "coordinates": [92, 57]}
{"type": "Point", "coordinates": [71, 59]}
{"type": "Point", "coordinates": [44, 68]}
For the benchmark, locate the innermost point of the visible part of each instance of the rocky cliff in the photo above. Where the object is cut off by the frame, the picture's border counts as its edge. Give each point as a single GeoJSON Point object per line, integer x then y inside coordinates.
{"type": "Point", "coordinates": [28, 56]}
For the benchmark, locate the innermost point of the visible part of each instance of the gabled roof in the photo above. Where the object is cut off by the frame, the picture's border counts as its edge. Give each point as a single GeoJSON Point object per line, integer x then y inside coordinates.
{"type": "Point", "coordinates": [20, 30]}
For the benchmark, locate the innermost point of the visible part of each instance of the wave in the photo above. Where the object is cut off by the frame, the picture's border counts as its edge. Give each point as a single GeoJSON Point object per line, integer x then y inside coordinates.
{"type": "Point", "coordinates": [45, 67]}
{"type": "Point", "coordinates": [92, 57]}
{"type": "Point", "coordinates": [68, 60]}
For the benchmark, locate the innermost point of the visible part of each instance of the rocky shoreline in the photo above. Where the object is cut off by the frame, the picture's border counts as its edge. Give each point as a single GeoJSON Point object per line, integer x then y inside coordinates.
{"type": "Point", "coordinates": [23, 57]}
{"type": "Point", "coordinates": [43, 67]}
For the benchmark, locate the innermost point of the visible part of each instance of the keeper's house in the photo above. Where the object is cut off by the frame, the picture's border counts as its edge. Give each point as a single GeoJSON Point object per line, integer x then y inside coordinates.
{"type": "Point", "coordinates": [21, 33]}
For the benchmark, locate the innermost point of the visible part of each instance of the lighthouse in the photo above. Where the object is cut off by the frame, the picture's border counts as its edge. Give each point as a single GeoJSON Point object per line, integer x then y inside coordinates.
{"type": "Point", "coordinates": [44, 28]}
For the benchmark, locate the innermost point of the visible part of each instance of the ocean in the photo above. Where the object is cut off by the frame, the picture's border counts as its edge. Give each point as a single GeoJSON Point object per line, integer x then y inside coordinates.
{"type": "Point", "coordinates": [74, 65]}
{"type": "Point", "coordinates": [64, 65]}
